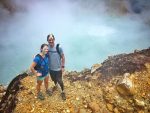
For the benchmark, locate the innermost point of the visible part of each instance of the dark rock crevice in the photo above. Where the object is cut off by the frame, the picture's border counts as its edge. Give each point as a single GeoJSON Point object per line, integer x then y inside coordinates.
{"type": "Point", "coordinates": [9, 100]}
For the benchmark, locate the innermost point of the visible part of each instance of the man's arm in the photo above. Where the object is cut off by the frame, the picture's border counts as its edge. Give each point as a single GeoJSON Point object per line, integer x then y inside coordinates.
{"type": "Point", "coordinates": [63, 61]}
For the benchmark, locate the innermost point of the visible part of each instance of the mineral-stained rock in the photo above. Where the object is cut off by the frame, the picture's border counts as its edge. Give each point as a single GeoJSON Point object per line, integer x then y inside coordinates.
{"type": "Point", "coordinates": [125, 86]}
{"type": "Point", "coordinates": [94, 106]}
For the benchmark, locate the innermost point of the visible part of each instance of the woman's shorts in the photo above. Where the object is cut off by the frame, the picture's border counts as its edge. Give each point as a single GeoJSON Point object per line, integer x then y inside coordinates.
{"type": "Point", "coordinates": [42, 78]}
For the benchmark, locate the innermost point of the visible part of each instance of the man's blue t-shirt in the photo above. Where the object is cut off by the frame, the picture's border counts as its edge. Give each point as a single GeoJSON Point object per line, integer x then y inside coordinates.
{"type": "Point", "coordinates": [43, 62]}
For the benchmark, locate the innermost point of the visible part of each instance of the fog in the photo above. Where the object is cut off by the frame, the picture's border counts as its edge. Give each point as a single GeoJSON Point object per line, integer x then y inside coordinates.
{"type": "Point", "coordinates": [87, 32]}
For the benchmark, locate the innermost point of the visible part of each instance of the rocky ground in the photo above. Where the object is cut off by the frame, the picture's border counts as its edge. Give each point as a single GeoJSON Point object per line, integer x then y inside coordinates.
{"type": "Point", "coordinates": [121, 84]}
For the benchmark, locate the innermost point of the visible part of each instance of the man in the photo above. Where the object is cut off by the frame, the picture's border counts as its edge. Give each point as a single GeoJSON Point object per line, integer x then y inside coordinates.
{"type": "Point", "coordinates": [56, 63]}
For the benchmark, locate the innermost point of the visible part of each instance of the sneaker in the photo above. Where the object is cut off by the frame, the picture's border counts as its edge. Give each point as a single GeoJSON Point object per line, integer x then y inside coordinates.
{"type": "Point", "coordinates": [49, 92]}
{"type": "Point", "coordinates": [40, 96]}
{"type": "Point", "coordinates": [63, 96]}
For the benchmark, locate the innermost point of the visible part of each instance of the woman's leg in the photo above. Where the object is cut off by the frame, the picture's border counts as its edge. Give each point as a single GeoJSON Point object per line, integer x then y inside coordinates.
{"type": "Point", "coordinates": [38, 86]}
{"type": "Point", "coordinates": [46, 82]}
{"type": "Point", "coordinates": [48, 91]}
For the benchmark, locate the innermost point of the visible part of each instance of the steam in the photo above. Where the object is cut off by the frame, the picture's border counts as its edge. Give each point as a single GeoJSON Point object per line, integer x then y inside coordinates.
{"type": "Point", "coordinates": [87, 32]}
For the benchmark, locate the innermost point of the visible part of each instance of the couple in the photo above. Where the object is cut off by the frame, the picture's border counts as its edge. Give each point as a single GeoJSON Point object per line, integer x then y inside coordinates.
{"type": "Point", "coordinates": [51, 59]}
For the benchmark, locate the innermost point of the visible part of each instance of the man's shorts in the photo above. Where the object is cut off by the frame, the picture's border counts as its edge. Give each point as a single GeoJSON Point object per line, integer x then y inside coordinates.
{"type": "Point", "coordinates": [42, 78]}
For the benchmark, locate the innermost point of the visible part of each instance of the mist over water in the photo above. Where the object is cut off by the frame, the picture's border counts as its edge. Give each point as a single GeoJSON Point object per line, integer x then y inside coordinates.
{"type": "Point", "coordinates": [88, 35]}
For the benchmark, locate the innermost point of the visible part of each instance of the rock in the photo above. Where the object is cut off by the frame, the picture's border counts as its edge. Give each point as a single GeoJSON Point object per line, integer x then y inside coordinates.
{"type": "Point", "coordinates": [42, 111]}
{"type": "Point", "coordinates": [116, 110]}
{"type": "Point", "coordinates": [141, 111]}
{"type": "Point", "coordinates": [79, 86]}
{"type": "Point", "coordinates": [80, 75]}
{"type": "Point", "coordinates": [139, 103]}
{"type": "Point", "coordinates": [94, 106]}
{"type": "Point", "coordinates": [95, 67]}
{"type": "Point", "coordinates": [94, 77]}
{"type": "Point", "coordinates": [86, 71]}
{"type": "Point", "coordinates": [110, 85]}
{"type": "Point", "coordinates": [66, 73]}
{"type": "Point", "coordinates": [68, 111]}
{"type": "Point", "coordinates": [89, 85]}
{"type": "Point", "coordinates": [130, 109]}
{"type": "Point", "coordinates": [85, 106]}
{"type": "Point", "coordinates": [2, 89]}
{"type": "Point", "coordinates": [2, 94]}
{"type": "Point", "coordinates": [82, 111]}
{"type": "Point", "coordinates": [72, 109]}
{"type": "Point", "coordinates": [136, 51]}
{"type": "Point", "coordinates": [125, 86]}
{"type": "Point", "coordinates": [77, 98]}
{"type": "Point", "coordinates": [110, 107]}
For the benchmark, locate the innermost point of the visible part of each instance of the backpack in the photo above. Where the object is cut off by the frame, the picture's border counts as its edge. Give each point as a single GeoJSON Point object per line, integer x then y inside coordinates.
{"type": "Point", "coordinates": [57, 49]}
{"type": "Point", "coordinates": [38, 66]}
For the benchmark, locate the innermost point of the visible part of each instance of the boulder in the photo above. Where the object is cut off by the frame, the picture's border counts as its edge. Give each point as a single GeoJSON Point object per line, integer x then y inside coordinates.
{"type": "Point", "coordinates": [125, 86]}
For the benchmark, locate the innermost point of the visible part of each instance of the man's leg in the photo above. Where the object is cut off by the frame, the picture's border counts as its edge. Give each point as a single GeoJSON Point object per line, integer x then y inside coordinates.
{"type": "Point", "coordinates": [53, 77]}
{"type": "Point", "coordinates": [60, 82]}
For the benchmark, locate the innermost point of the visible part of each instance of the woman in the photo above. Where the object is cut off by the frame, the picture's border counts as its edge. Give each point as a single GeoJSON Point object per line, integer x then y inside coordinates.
{"type": "Point", "coordinates": [39, 67]}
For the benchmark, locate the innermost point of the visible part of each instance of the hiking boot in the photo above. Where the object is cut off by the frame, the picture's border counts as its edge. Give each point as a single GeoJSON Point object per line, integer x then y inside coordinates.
{"type": "Point", "coordinates": [63, 96]}
{"type": "Point", "coordinates": [49, 92]}
{"type": "Point", "coordinates": [40, 96]}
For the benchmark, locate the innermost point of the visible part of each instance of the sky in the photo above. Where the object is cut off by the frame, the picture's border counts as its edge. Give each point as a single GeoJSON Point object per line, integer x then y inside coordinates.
{"type": "Point", "coordinates": [87, 31]}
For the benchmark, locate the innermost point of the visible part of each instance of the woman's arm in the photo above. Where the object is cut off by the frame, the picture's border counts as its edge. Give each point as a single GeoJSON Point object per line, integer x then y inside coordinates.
{"type": "Point", "coordinates": [33, 70]}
